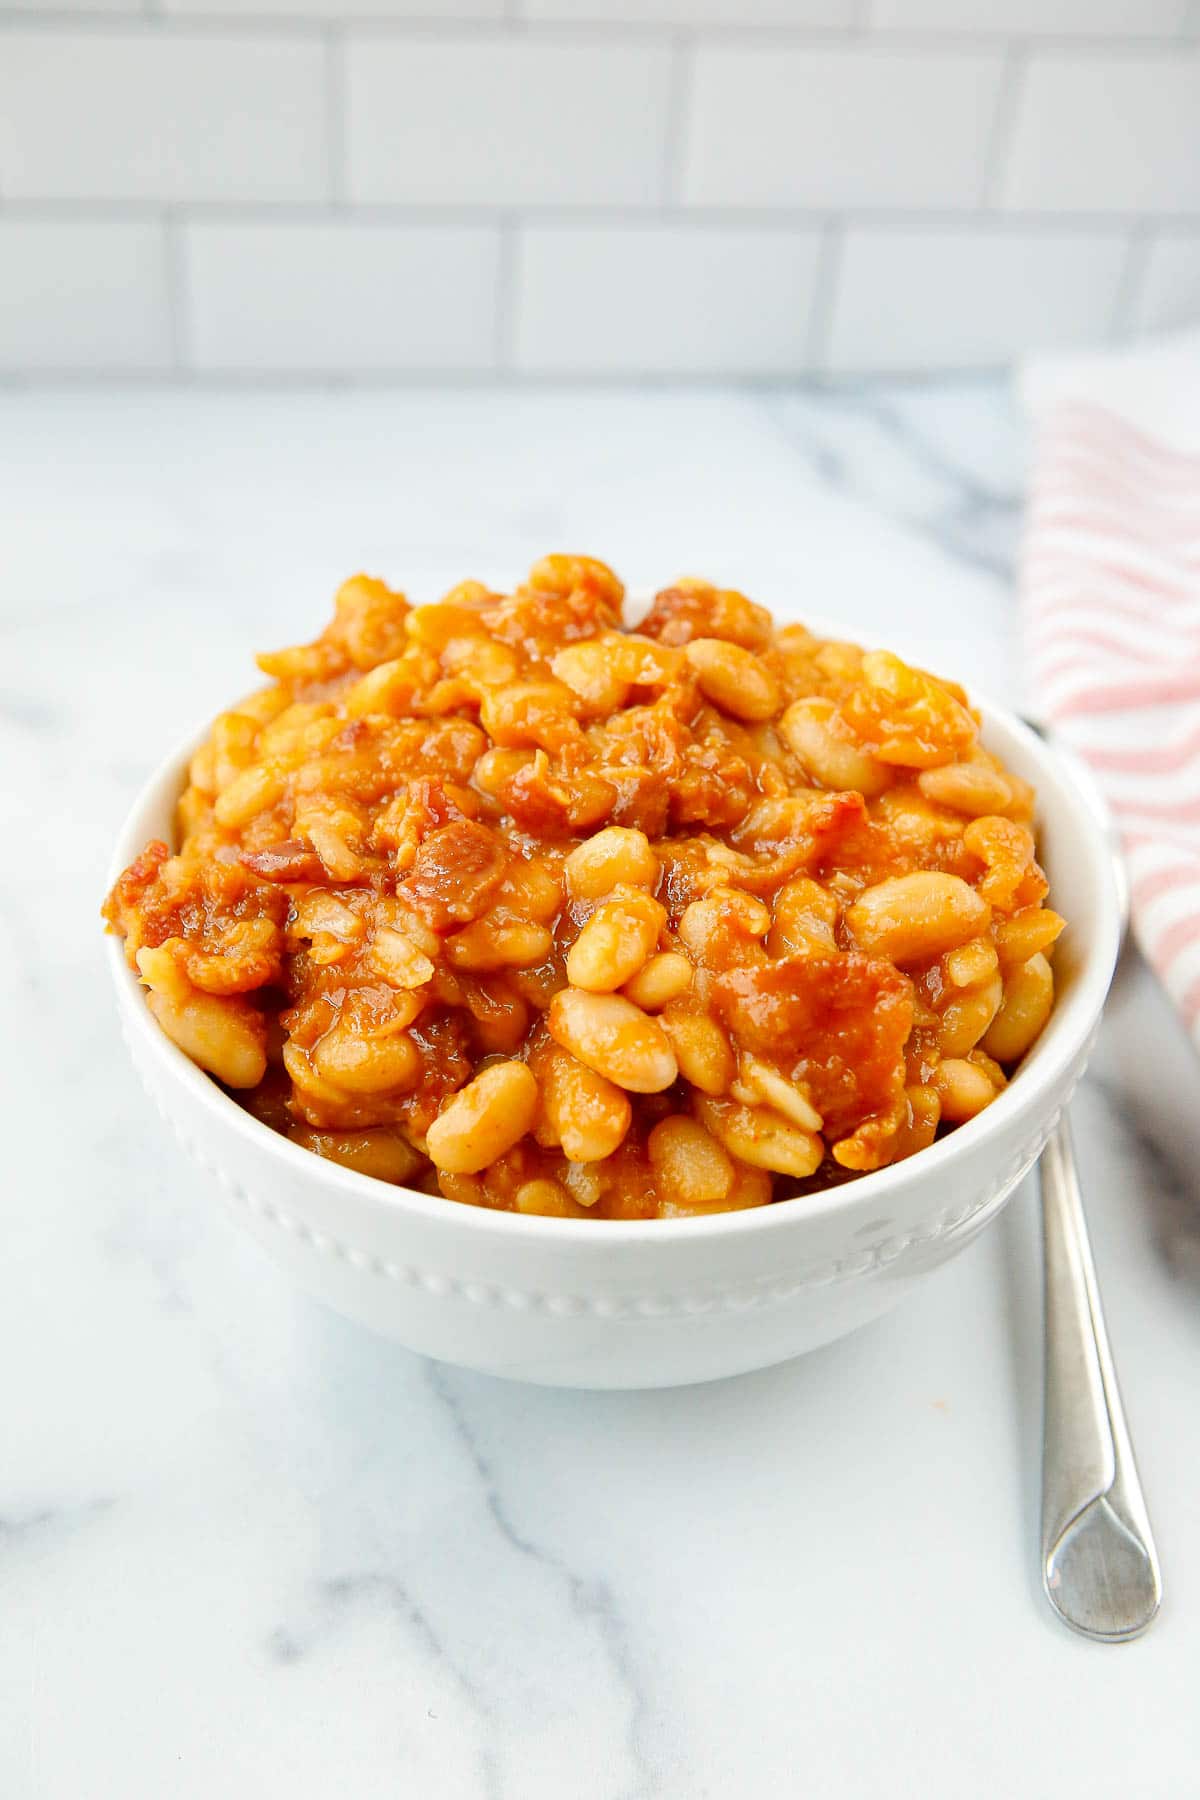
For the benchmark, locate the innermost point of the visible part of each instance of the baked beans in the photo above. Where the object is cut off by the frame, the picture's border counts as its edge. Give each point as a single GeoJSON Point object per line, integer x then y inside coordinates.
{"type": "Point", "coordinates": [498, 898]}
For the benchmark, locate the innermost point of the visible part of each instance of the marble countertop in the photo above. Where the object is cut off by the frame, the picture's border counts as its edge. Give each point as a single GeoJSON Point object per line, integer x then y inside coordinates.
{"type": "Point", "coordinates": [246, 1548]}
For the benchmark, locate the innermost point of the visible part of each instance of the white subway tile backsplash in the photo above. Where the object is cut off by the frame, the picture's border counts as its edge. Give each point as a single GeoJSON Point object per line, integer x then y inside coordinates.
{"type": "Point", "coordinates": [291, 297]}
{"type": "Point", "coordinates": [669, 299]}
{"type": "Point", "coordinates": [133, 114]}
{"type": "Point", "coordinates": [1033, 18]}
{"type": "Point", "coordinates": [796, 14]}
{"type": "Point", "coordinates": [1099, 131]}
{"type": "Point", "coordinates": [83, 296]}
{"type": "Point", "coordinates": [623, 187]}
{"type": "Point", "coordinates": [839, 126]}
{"type": "Point", "coordinates": [969, 296]}
{"type": "Point", "coordinates": [1169, 293]}
{"type": "Point", "coordinates": [505, 121]}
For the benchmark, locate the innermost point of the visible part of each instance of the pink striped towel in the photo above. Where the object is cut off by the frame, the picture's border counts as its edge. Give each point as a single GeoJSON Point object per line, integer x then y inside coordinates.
{"type": "Point", "coordinates": [1111, 604]}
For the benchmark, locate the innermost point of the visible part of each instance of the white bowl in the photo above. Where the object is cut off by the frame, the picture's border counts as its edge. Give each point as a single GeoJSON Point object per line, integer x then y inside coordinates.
{"type": "Point", "coordinates": [647, 1303]}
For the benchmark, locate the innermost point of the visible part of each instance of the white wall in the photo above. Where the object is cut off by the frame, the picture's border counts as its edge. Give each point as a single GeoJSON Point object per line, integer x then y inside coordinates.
{"type": "Point", "coordinates": [546, 187]}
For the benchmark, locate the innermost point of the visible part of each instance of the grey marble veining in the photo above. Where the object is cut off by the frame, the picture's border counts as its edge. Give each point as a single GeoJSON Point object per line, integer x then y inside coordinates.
{"type": "Point", "coordinates": [953, 473]}
{"type": "Point", "coordinates": [247, 1548]}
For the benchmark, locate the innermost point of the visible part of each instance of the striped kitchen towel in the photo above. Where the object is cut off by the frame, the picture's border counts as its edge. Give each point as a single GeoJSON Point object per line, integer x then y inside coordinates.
{"type": "Point", "coordinates": [1110, 583]}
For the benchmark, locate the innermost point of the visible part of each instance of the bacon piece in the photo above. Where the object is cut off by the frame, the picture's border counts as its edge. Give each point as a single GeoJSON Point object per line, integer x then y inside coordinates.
{"type": "Point", "coordinates": [839, 1023]}
{"type": "Point", "coordinates": [287, 861]}
{"type": "Point", "coordinates": [456, 870]}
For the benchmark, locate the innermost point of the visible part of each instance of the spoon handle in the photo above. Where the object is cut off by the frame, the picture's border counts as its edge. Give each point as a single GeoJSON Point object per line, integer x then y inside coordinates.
{"type": "Point", "coordinates": [1099, 1564]}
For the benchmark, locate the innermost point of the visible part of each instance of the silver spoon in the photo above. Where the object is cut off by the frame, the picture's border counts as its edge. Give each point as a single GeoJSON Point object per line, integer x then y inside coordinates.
{"type": "Point", "coordinates": [1099, 1563]}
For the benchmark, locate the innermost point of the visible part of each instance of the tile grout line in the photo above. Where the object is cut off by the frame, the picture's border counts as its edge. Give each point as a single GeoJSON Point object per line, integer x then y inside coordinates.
{"type": "Point", "coordinates": [857, 35]}
{"type": "Point", "coordinates": [1003, 129]}
{"type": "Point", "coordinates": [396, 376]}
{"type": "Point", "coordinates": [176, 280]}
{"type": "Point", "coordinates": [1065, 222]}
{"type": "Point", "coordinates": [821, 312]}
{"type": "Point", "coordinates": [1132, 282]}
{"type": "Point", "coordinates": [675, 135]}
{"type": "Point", "coordinates": [508, 253]}
{"type": "Point", "coordinates": [416, 377]}
{"type": "Point", "coordinates": [335, 116]}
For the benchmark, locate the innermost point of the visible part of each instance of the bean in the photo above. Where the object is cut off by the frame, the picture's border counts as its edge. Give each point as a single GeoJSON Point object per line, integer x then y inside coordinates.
{"type": "Point", "coordinates": [394, 956]}
{"type": "Point", "coordinates": [910, 918]}
{"type": "Point", "coordinates": [547, 1198]}
{"type": "Point", "coordinates": [830, 760]}
{"type": "Point", "coordinates": [618, 856]}
{"type": "Point", "coordinates": [311, 1089]}
{"type": "Point", "coordinates": [972, 964]}
{"type": "Point", "coordinates": [337, 858]}
{"type": "Point", "coordinates": [225, 1035]}
{"type": "Point", "coordinates": [688, 1162]}
{"type": "Point", "coordinates": [734, 679]}
{"type": "Point", "coordinates": [286, 729]}
{"type": "Point", "coordinates": [319, 911]}
{"type": "Point", "coordinates": [378, 1152]}
{"type": "Point", "coordinates": [389, 688]}
{"type": "Point", "coordinates": [254, 791]}
{"type": "Point", "coordinates": [924, 1115]}
{"type": "Point", "coordinates": [615, 1038]}
{"type": "Point", "coordinates": [966, 1017]}
{"type": "Point", "coordinates": [492, 943]}
{"type": "Point", "coordinates": [602, 670]}
{"type": "Point", "coordinates": [479, 661]}
{"type": "Point", "coordinates": [727, 614]}
{"type": "Point", "coordinates": [660, 981]}
{"type": "Point", "coordinates": [532, 891]}
{"type": "Point", "coordinates": [751, 1187]}
{"type": "Point", "coordinates": [526, 712]}
{"type": "Point", "coordinates": [484, 1119]}
{"type": "Point", "coordinates": [963, 1088]}
{"type": "Point", "coordinates": [582, 1182]}
{"type": "Point", "coordinates": [615, 942]}
{"type": "Point", "coordinates": [366, 1065]}
{"type": "Point", "coordinates": [766, 1086]}
{"type": "Point", "coordinates": [593, 674]}
{"type": "Point", "coordinates": [233, 740]}
{"type": "Point", "coordinates": [263, 705]}
{"type": "Point", "coordinates": [436, 625]}
{"type": "Point", "coordinates": [1034, 928]}
{"type": "Point", "coordinates": [718, 926]}
{"type": "Point", "coordinates": [701, 1049]}
{"type": "Point", "coordinates": [1028, 998]}
{"type": "Point", "coordinates": [758, 1136]}
{"type": "Point", "coordinates": [583, 1112]}
{"type": "Point", "coordinates": [564, 574]}
{"type": "Point", "coordinates": [973, 788]}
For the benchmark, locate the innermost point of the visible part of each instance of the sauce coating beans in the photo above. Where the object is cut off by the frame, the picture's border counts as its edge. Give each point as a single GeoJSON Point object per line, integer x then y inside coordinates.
{"type": "Point", "coordinates": [499, 899]}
